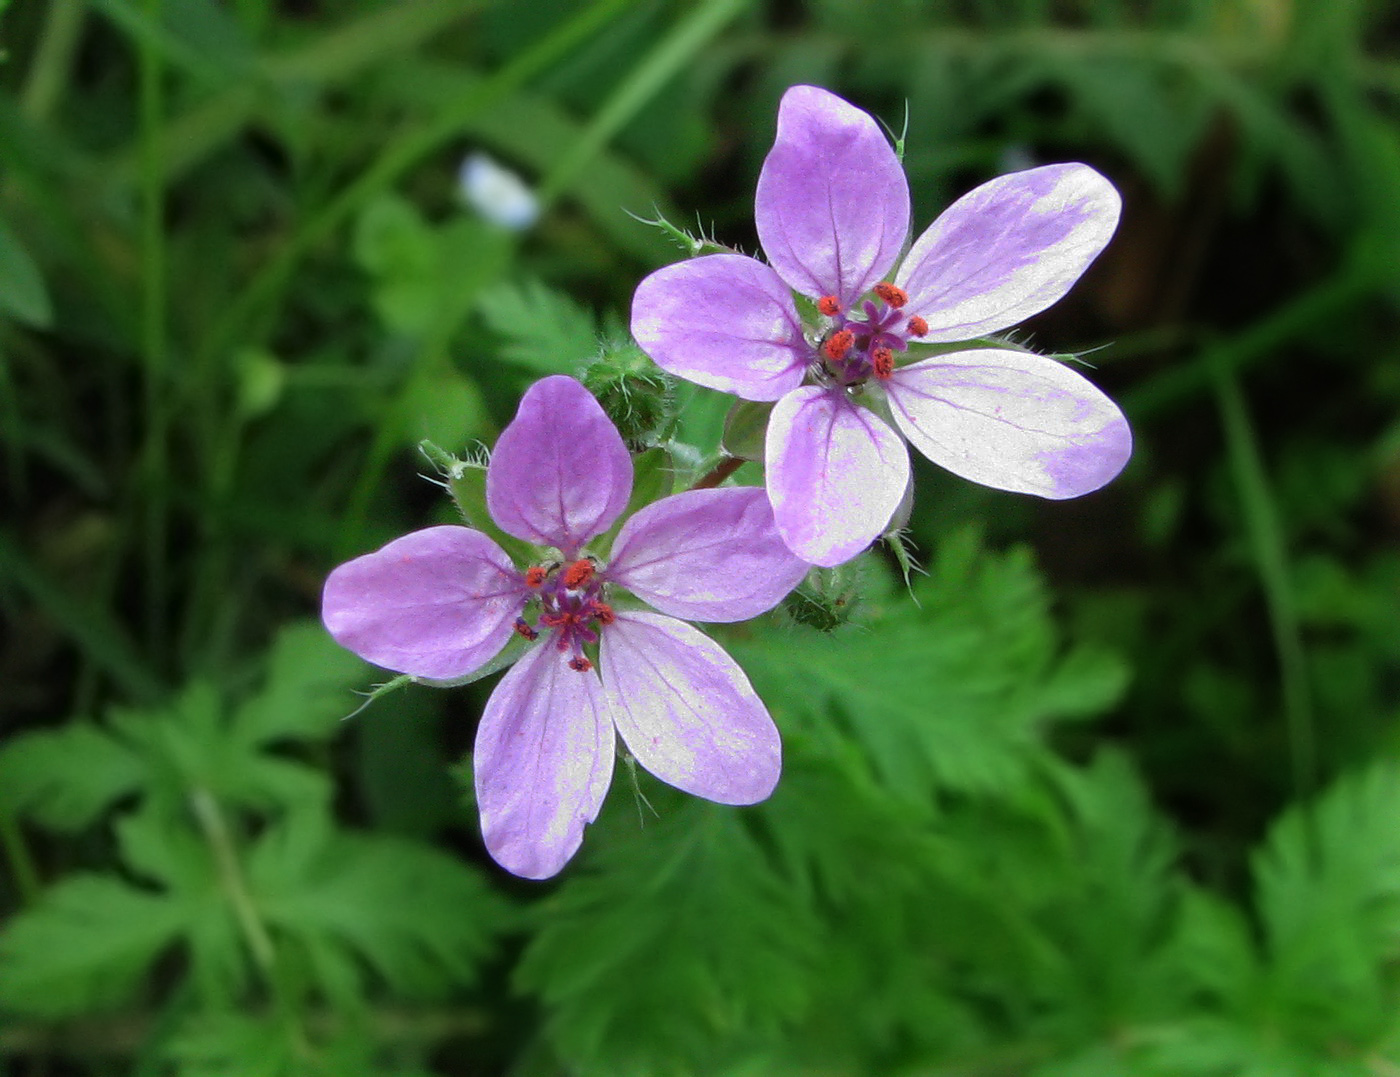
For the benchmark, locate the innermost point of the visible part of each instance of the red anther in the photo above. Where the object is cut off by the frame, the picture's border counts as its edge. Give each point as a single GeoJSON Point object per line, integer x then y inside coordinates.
{"type": "Point", "coordinates": [838, 344]}
{"type": "Point", "coordinates": [534, 577]}
{"type": "Point", "coordinates": [524, 629]}
{"type": "Point", "coordinates": [892, 294]}
{"type": "Point", "coordinates": [604, 613]}
{"type": "Point", "coordinates": [917, 326]}
{"type": "Point", "coordinates": [829, 305]}
{"type": "Point", "coordinates": [581, 664]}
{"type": "Point", "coordinates": [882, 363]}
{"type": "Point", "coordinates": [578, 574]}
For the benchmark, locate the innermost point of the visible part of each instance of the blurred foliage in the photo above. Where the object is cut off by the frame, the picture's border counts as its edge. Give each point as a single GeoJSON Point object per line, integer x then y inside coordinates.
{"type": "Point", "coordinates": [1125, 804]}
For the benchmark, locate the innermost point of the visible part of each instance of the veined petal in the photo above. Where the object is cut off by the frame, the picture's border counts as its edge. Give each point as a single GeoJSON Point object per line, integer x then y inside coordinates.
{"type": "Point", "coordinates": [687, 711]}
{"type": "Point", "coordinates": [724, 321]}
{"type": "Point", "coordinates": [706, 555]}
{"type": "Point", "coordinates": [1011, 420]}
{"type": "Point", "coordinates": [832, 208]}
{"type": "Point", "coordinates": [836, 473]}
{"type": "Point", "coordinates": [560, 473]}
{"type": "Point", "coordinates": [435, 603]}
{"type": "Point", "coordinates": [543, 762]}
{"type": "Point", "coordinates": [1008, 249]}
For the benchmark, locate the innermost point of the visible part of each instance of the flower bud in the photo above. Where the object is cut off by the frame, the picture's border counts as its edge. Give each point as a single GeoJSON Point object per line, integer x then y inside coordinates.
{"type": "Point", "coordinates": [827, 598]}
{"type": "Point", "coordinates": [634, 392]}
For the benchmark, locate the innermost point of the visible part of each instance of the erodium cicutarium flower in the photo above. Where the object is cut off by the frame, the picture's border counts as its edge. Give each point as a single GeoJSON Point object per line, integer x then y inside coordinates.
{"type": "Point", "coordinates": [442, 602]}
{"type": "Point", "coordinates": [832, 212]}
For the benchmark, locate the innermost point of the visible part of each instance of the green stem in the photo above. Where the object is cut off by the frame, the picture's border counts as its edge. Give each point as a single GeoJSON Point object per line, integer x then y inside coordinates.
{"type": "Point", "coordinates": [719, 473]}
{"type": "Point", "coordinates": [48, 74]}
{"type": "Point", "coordinates": [1269, 549]}
{"type": "Point", "coordinates": [155, 455]}
{"type": "Point", "coordinates": [220, 842]}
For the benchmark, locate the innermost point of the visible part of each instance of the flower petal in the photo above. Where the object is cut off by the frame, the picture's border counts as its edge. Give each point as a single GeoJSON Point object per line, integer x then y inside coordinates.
{"type": "Point", "coordinates": [706, 555]}
{"type": "Point", "coordinates": [1011, 420]}
{"type": "Point", "coordinates": [543, 762]}
{"type": "Point", "coordinates": [560, 473]}
{"type": "Point", "coordinates": [435, 603]}
{"type": "Point", "coordinates": [686, 710]}
{"type": "Point", "coordinates": [836, 473]}
{"type": "Point", "coordinates": [1008, 249]}
{"type": "Point", "coordinates": [832, 208]}
{"type": "Point", "coordinates": [724, 321]}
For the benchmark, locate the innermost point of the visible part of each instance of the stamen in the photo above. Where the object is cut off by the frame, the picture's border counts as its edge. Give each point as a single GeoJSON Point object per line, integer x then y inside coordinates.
{"type": "Point", "coordinates": [578, 574]}
{"type": "Point", "coordinates": [581, 664]}
{"type": "Point", "coordinates": [829, 305]}
{"type": "Point", "coordinates": [893, 295]}
{"type": "Point", "coordinates": [534, 577]}
{"type": "Point", "coordinates": [838, 344]}
{"type": "Point", "coordinates": [882, 363]}
{"type": "Point", "coordinates": [604, 613]}
{"type": "Point", "coordinates": [525, 630]}
{"type": "Point", "coordinates": [917, 326]}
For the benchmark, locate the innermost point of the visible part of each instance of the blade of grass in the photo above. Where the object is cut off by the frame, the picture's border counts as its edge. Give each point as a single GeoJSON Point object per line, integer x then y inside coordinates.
{"type": "Point", "coordinates": [1268, 547]}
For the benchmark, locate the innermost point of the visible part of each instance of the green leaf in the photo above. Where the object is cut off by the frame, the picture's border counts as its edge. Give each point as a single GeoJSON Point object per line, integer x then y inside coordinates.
{"type": "Point", "coordinates": [540, 328]}
{"type": "Point", "coordinates": [306, 691]}
{"type": "Point", "coordinates": [67, 778]}
{"type": "Point", "coordinates": [22, 292]}
{"type": "Point", "coordinates": [679, 936]}
{"type": "Point", "coordinates": [84, 947]}
{"type": "Point", "coordinates": [955, 692]}
{"type": "Point", "coordinates": [420, 919]}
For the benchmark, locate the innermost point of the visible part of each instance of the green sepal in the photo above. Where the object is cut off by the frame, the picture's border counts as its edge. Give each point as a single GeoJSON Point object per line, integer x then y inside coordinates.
{"type": "Point", "coordinates": [653, 477]}
{"type": "Point", "coordinates": [465, 480]}
{"type": "Point", "coordinates": [901, 548]}
{"type": "Point", "coordinates": [745, 428]}
{"type": "Point", "coordinates": [379, 691]}
{"type": "Point", "coordinates": [826, 598]}
{"type": "Point", "coordinates": [505, 657]}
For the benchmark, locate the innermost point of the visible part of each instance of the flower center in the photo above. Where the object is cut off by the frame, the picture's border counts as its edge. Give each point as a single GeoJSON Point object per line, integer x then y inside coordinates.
{"type": "Point", "coordinates": [860, 345]}
{"type": "Point", "coordinates": [571, 607]}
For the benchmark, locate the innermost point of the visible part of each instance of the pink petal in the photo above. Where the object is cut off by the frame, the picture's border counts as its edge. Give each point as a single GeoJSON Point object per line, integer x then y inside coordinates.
{"type": "Point", "coordinates": [1008, 250]}
{"type": "Point", "coordinates": [832, 208]}
{"type": "Point", "coordinates": [724, 321]}
{"type": "Point", "coordinates": [836, 473]}
{"type": "Point", "coordinates": [543, 762]}
{"type": "Point", "coordinates": [1011, 420]}
{"type": "Point", "coordinates": [706, 555]}
{"type": "Point", "coordinates": [686, 710]}
{"type": "Point", "coordinates": [560, 473]}
{"type": "Point", "coordinates": [435, 603]}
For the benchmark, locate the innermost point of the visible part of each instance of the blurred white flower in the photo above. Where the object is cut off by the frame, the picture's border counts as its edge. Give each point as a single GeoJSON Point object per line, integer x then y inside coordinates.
{"type": "Point", "coordinates": [497, 193]}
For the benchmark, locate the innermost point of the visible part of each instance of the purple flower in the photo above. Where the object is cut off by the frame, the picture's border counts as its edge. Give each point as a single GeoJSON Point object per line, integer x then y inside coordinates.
{"type": "Point", "coordinates": [832, 211]}
{"type": "Point", "coordinates": [442, 602]}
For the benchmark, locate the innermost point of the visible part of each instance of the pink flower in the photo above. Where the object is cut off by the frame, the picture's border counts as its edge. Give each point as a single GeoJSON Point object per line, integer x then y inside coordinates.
{"type": "Point", "coordinates": [442, 602]}
{"type": "Point", "coordinates": [832, 211]}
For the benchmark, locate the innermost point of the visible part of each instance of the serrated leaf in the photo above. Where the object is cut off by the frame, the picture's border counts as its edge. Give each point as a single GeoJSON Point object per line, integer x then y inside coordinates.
{"type": "Point", "coordinates": [306, 690]}
{"type": "Point", "coordinates": [67, 778]}
{"type": "Point", "coordinates": [955, 692]}
{"type": "Point", "coordinates": [85, 946]}
{"type": "Point", "coordinates": [541, 329]}
{"type": "Point", "coordinates": [420, 919]}
{"type": "Point", "coordinates": [680, 935]}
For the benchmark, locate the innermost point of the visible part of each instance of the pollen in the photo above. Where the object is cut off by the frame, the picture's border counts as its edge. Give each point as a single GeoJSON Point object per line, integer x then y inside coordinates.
{"type": "Point", "coordinates": [580, 664]}
{"type": "Point", "coordinates": [917, 326]}
{"type": "Point", "coordinates": [882, 363]}
{"type": "Point", "coordinates": [578, 574]}
{"type": "Point", "coordinates": [829, 305]}
{"type": "Point", "coordinates": [892, 294]}
{"type": "Point", "coordinates": [525, 630]}
{"type": "Point", "coordinates": [838, 344]}
{"type": "Point", "coordinates": [604, 613]}
{"type": "Point", "coordinates": [534, 577]}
